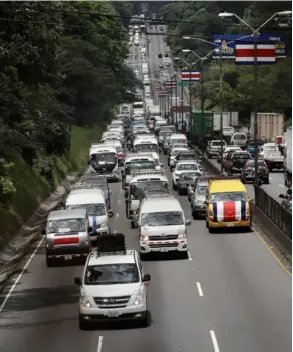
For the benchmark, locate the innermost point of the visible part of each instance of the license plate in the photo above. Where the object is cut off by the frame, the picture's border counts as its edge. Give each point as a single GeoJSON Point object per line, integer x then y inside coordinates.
{"type": "Point", "coordinates": [113, 314]}
{"type": "Point", "coordinates": [230, 225]}
{"type": "Point", "coordinates": [68, 257]}
{"type": "Point", "coordinates": [164, 249]}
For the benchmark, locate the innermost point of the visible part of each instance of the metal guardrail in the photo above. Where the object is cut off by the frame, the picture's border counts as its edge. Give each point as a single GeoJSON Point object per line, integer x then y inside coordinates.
{"type": "Point", "coordinates": [274, 210]}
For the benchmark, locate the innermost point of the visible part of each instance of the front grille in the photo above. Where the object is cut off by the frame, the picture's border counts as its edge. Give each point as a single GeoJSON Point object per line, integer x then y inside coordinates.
{"type": "Point", "coordinates": [112, 302]}
{"type": "Point", "coordinates": [163, 238]}
{"type": "Point", "coordinates": [160, 245]}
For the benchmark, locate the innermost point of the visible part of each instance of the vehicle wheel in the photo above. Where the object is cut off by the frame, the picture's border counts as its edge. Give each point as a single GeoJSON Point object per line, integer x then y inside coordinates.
{"type": "Point", "coordinates": [49, 262]}
{"type": "Point", "coordinates": [207, 225]}
{"type": "Point", "coordinates": [209, 156]}
{"type": "Point", "coordinates": [168, 163]}
{"type": "Point", "coordinates": [243, 180]}
{"type": "Point", "coordinates": [194, 215]}
{"type": "Point", "coordinates": [83, 325]}
{"type": "Point", "coordinates": [211, 230]}
{"type": "Point", "coordinates": [174, 187]}
{"type": "Point", "coordinates": [267, 181]}
{"type": "Point", "coordinates": [183, 255]}
{"type": "Point", "coordinates": [143, 256]}
{"type": "Point", "coordinates": [147, 320]}
{"type": "Point", "coordinates": [165, 153]}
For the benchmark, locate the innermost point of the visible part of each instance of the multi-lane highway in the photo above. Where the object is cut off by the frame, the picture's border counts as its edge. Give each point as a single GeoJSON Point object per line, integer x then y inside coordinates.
{"type": "Point", "coordinates": [229, 296]}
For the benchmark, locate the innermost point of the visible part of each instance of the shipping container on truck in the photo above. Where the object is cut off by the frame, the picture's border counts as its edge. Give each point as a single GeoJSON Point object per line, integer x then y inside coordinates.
{"type": "Point", "coordinates": [230, 118]}
{"type": "Point", "coordinates": [288, 157]}
{"type": "Point", "coordinates": [201, 124]}
{"type": "Point", "coordinates": [269, 125]}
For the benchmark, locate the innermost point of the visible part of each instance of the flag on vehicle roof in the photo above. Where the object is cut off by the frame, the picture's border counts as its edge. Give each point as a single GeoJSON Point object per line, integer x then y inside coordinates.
{"type": "Point", "coordinates": [245, 54]}
{"type": "Point", "coordinates": [193, 76]}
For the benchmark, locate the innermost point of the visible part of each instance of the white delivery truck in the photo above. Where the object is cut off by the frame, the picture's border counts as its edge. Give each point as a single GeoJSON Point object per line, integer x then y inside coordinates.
{"type": "Point", "coordinates": [288, 157]}
{"type": "Point", "coordinates": [230, 119]}
{"type": "Point", "coordinates": [269, 126]}
{"type": "Point", "coordinates": [272, 156]}
{"type": "Point", "coordinates": [155, 110]}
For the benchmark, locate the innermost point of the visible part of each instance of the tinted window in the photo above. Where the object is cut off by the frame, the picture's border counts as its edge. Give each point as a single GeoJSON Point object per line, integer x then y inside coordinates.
{"type": "Point", "coordinates": [187, 167]}
{"type": "Point", "coordinates": [66, 225]}
{"type": "Point", "coordinates": [241, 156]}
{"type": "Point", "coordinates": [240, 136]}
{"type": "Point", "coordinates": [138, 165]}
{"type": "Point", "coordinates": [163, 218]}
{"type": "Point", "coordinates": [92, 209]}
{"type": "Point", "coordinates": [228, 197]}
{"type": "Point", "coordinates": [111, 274]}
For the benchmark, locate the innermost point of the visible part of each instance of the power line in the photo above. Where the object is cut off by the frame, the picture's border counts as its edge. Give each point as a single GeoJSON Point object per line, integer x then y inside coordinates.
{"type": "Point", "coordinates": [238, 25]}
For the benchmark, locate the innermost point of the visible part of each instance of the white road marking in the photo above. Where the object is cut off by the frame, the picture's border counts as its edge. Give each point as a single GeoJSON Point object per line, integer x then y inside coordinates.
{"type": "Point", "coordinates": [214, 340]}
{"type": "Point", "coordinates": [20, 275]}
{"type": "Point", "coordinates": [117, 215]}
{"type": "Point", "coordinates": [281, 185]}
{"type": "Point", "coordinates": [199, 289]}
{"type": "Point", "coordinates": [100, 344]}
{"type": "Point", "coordinates": [189, 256]}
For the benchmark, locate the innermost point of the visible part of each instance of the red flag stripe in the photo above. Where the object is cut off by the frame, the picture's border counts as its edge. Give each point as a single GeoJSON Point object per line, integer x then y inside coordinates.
{"type": "Point", "coordinates": [229, 211]}
{"type": "Point", "coordinates": [250, 52]}
{"type": "Point", "coordinates": [66, 240]}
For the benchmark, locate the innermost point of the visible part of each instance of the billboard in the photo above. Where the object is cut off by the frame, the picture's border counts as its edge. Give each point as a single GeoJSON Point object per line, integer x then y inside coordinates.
{"type": "Point", "coordinates": [228, 43]}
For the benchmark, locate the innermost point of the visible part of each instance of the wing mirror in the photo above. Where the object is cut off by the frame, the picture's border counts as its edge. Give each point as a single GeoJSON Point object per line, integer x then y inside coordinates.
{"type": "Point", "coordinates": [281, 196]}
{"type": "Point", "coordinates": [110, 213]}
{"type": "Point", "coordinates": [90, 229]}
{"type": "Point", "coordinates": [188, 222]}
{"type": "Point", "coordinates": [77, 281]}
{"type": "Point", "coordinates": [146, 277]}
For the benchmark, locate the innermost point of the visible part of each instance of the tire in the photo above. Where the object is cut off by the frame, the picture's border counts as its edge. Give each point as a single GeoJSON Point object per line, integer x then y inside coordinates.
{"type": "Point", "coordinates": [194, 215]}
{"type": "Point", "coordinates": [183, 255]}
{"type": "Point", "coordinates": [143, 256]}
{"type": "Point", "coordinates": [174, 187]}
{"type": "Point", "coordinates": [168, 163]}
{"type": "Point", "coordinates": [83, 325]}
{"type": "Point", "coordinates": [49, 262]}
{"type": "Point", "coordinates": [267, 181]}
{"type": "Point", "coordinates": [146, 321]}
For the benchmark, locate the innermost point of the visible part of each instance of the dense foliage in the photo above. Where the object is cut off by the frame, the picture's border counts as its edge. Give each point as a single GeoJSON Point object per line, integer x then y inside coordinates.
{"type": "Point", "coordinates": [200, 19]}
{"type": "Point", "coordinates": [62, 63]}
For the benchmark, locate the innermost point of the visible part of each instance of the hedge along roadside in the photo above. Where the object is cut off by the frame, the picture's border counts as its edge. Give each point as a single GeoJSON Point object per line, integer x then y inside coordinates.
{"type": "Point", "coordinates": [22, 221]}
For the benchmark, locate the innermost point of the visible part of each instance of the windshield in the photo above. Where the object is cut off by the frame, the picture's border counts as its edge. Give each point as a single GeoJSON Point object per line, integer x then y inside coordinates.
{"type": "Point", "coordinates": [186, 177]}
{"type": "Point", "coordinates": [162, 219]}
{"type": "Point", "coordinates": [201, 189]}
{"type": "Point", "coordinates": [175, 152]}
{"type": "Point", "coordinates": [187, 166]}
{"type": "Point", "coordinates": [217, 144]}
{"type": "Point", "coordinates": [108, 158]}
{"type": "Point", "coordinates": [91, 209]}
{"type": "Point", "coordinates": [252, 163]}
{"type": "Point", "coordinates": [178, 141]}
{"type": "Point", "coordinates": [146, 147]}
{"type": "Point", "coordinates": [66, 225]}
{"type": "Point", "coordinates": [187, 156]}
{"type": "Point", "coordinates": [138, 165]}
{"type": "Point", "coordinates": [137, 189]}
{"type": "Point", "coordinates": [111, 274]}
{"type": "Point", "coordinates": [240, 136]}
{"type": "Point", "coordinates": [138, 106]}
{"type": "Point", "coordinates": [241, 156]}
{"type": "Point", "coordinates": [228, 197]}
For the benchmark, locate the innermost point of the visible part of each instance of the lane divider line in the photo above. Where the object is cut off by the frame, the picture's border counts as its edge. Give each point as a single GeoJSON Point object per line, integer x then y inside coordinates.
{"type": "Point", "coordinates": [20, 275]}
{"type": "Point", "coordinates": [199, 289]}
{"type": "Point", "coordinates": [189, 255]}
{"type": "Point", "coordinates": [281, 185]}
{"type": "Point", "coordinates": [214, 340]}
{"type": "Point", "coordinates": [100, 344]}
{"type": "Point", "coordinates": [283, 267]}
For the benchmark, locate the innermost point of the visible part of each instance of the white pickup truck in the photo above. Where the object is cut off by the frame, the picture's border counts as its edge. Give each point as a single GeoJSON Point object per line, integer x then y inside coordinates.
{"type": "Point", "coordinates": [272, 156]}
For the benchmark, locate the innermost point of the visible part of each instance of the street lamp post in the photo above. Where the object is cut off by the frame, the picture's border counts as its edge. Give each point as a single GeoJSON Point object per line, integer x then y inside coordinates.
{"type": "Point", "coordinates": [255, 33]}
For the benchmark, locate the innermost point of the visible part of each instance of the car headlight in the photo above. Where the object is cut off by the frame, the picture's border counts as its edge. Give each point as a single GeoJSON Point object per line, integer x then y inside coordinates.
{"type": "Point", "coordinates": [182, 236]}
{"type": "Point", "coordinates": [104, 224]}
{"type": "Point", "coordinates": [139, 298]}
{"type": "Point", "coordinates": [84, 302]}
{"type": "Point", "coordinates": [144, 238]}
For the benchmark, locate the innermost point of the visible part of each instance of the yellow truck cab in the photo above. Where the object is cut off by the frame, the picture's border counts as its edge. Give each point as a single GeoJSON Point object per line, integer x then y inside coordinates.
{"type": "Point", "coordinates": [227, 204]}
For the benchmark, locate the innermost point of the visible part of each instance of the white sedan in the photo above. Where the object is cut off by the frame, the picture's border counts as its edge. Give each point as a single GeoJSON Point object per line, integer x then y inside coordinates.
{"type": "Point", "coordinates": [184, 166]}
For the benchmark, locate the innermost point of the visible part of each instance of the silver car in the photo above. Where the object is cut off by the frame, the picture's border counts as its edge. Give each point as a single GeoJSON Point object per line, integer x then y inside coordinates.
{"type": "Point", "coordinates": [214, 148]}
{"type": "Point", "coordinates": [67, 235]}
{"type": "Point", "coordinates": [198, 207]}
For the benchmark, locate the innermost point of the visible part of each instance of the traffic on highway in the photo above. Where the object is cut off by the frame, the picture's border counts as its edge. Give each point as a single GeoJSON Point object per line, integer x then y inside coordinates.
{"type": "Point", "coordinates": [150, 250]}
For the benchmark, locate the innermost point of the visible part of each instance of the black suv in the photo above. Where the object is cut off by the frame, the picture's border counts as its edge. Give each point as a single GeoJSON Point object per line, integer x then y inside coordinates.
{"type": "Point", "coordinates": [248, 172]}
{"type": "Point", "coordinates": [237, 162]}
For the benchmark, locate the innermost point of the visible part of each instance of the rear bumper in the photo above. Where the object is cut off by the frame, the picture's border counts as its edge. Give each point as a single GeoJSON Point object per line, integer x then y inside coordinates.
{"type": "Point", "coordinates": [74, 252]}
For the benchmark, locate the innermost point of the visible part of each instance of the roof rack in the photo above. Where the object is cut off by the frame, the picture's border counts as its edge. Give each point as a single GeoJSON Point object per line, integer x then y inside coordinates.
{"type": "Point", "coordinates": [111, 244]}
{"type": "Point", "coordinates": [148, 172]}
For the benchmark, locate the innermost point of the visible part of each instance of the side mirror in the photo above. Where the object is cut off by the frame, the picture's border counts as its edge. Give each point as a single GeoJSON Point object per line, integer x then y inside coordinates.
{"type": "Point", "coordinates": [110, 213]}
{"type": "Point", "coordinates": [77, 281]}
{"type": "Point", "coordinates": [90, 229]}
{"type": "Point", "coordinates": [188, 222]}
{"type": "Point", "coordinates": [281, 196]}
{"type": "Point", "coordinates": [122, 172]}
{"type": "Point", "coordinates": [146, 277]}
{"type": "Point", "coordinates": [43, 232]}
